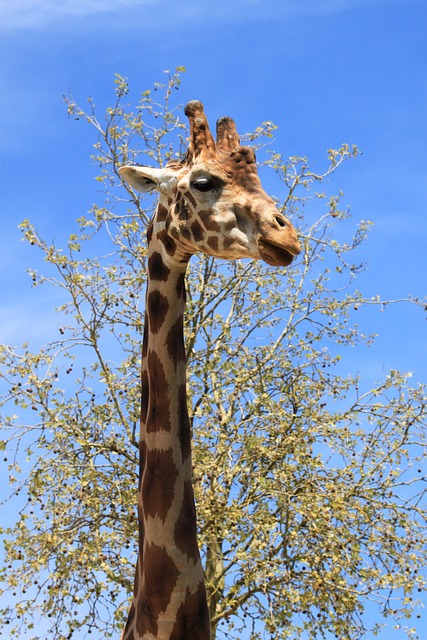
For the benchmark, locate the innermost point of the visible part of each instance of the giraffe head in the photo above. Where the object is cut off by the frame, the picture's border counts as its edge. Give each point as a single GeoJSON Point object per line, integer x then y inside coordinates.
{"type": "Point", "coordinates": [212, 201]}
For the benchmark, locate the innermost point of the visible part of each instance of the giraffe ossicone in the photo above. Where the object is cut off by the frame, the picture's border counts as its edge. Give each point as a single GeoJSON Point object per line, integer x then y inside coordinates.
{"type": "Point", "coordinates": [212, 201]}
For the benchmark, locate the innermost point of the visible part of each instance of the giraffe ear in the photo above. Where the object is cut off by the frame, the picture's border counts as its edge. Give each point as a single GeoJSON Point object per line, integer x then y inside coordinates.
{"type": "Point", "coordinates": [148, 178]}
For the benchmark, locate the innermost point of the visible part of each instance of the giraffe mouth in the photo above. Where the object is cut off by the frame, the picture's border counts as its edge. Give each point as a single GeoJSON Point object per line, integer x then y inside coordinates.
{"type": "Point", "coordinates": [274, 255]}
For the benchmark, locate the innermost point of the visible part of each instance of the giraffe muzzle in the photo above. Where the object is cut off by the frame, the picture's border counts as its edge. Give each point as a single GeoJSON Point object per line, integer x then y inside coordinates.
{"type": "Point", "coordinates": [275, 255]}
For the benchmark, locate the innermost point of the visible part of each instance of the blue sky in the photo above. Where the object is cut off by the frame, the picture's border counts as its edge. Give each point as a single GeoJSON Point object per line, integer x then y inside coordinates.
{"type": "Point", "coordinates": [326, 72]}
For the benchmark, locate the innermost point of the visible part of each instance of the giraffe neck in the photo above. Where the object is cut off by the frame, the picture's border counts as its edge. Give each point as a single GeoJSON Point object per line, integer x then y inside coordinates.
{"type": "Point", "coordinates": [169, 595]}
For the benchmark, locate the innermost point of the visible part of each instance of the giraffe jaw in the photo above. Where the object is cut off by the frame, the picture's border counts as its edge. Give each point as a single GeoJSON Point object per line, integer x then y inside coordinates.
{"type": "Point", "coordinates": [274, 255]}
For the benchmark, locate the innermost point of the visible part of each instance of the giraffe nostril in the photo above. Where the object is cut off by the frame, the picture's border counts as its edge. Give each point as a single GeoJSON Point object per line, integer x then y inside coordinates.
{"type": "Point", "coordinates": [281, 221]}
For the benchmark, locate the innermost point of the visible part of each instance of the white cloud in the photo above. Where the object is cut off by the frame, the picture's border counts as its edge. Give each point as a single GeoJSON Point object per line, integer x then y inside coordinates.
{"type": "Point", "coordinates": [15, 14]}
{"type": "Point", "coordinates": [36, 13]}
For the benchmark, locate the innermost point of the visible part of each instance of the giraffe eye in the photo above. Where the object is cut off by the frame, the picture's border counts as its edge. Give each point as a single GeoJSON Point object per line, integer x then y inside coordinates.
{"type": "Point", "coordinates": [206, 184]}
{"type": "Point", "coordinates": [203, 184]}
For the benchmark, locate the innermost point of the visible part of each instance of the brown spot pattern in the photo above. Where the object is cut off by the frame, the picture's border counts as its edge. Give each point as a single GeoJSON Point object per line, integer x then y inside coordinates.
{"type": "Point", "coordinates": [150, 232]}
{"type": "Point", "coordinates": [197, 231]}
{"type": "Point", "coordinates": [185, 233]}
{"type": "Point", "coordinates": [144, 395]}
{"type": "Point", "coordinates": [192, 617]}
{"type": "Point", "coordinates": [141, 532]}
{"type": "Point", "coordinates": [182, 209]}
{"type": "Point", "coordinates": [184, 431]}
{"type": "Point", "coordinates": [209, 221]}
{"type": "Point", "coordinates": [157, 270]}
{"type": "Point", "coordinates": [175, 342]}
{"type": "Point", "coordinates": [180, 286]}
{"type": "Point", "coordinates": [159, 479]}
{"type": "Point", "coordinates": [145, 336]}
{"type": "Point", "coordinates": [185, 527]}
{"type": "Point", "coordinates": [162, 213]}
{"type": "Point", "coordinates": [158, 306]}
{"type": "Point", "coordinates": [168, 242]}
{"type": "Point", "coordinates": [213, 243]}
{"type": "Point", "coordinates": [128, 633]}
{"type": "Point", "coordinates": [160, 577]}
{"type": "Point", "coordinates": [231, 224]}
{"type": "Point", "coordinates": [228, 242]}
{"type": "Point", "coordinates": [137, 575]}
{"type": "Point", "coordinates": [189, 196]}
{"type": "Point", "coordinates": [158, 410]}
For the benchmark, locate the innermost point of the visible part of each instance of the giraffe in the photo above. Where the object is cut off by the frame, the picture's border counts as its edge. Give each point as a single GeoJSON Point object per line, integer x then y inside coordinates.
{"type": "Point", "coordinates": [212, 201]}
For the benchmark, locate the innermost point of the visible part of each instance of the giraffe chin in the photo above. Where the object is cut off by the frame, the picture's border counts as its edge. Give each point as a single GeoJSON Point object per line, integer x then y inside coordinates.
{"type": "Point", "coordinates": [274, 255]}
